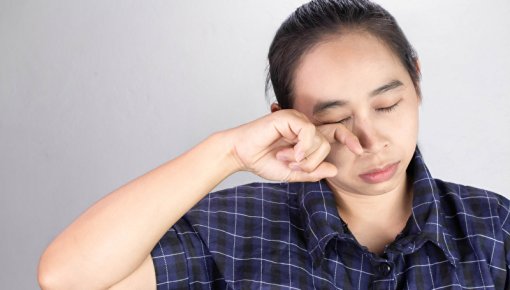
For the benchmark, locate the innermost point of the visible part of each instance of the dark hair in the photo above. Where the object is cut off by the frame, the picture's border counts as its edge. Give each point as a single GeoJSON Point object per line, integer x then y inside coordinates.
{"type": "Point", "coordinates": [313, 22]}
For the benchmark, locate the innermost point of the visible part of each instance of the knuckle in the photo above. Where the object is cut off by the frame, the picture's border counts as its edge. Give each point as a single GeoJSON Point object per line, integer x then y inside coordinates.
{"type": "Point", "coordinates": [292, 112]}
{"type": "Point", "coordinates": [309, 130]}
{"type": "Point", "coordinates": [299, 114]}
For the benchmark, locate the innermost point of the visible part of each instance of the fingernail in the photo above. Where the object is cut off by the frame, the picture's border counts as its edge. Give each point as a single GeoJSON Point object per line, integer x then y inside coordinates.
{"type": "Point", "coordinates": [294, 166]}
{"type": "Point", "coordinates": [359, 149]}
{"type": "Point", "coordinates": [281, 157]}
{"type": "Point", "coordinates": [355, 146]}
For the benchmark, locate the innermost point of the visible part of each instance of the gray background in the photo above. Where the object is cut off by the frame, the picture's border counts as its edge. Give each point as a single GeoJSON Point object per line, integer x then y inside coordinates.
{"type": "Point", "coordinates": [95, 93]}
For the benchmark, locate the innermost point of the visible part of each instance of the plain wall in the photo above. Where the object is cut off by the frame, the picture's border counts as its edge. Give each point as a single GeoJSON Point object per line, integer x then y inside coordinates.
{"type": "Point", "coordinates": [96, 93]}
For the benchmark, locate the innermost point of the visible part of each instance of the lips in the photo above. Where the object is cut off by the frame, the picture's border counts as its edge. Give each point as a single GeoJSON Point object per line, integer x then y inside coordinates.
{"type": "Point", "coordinates": [378, 175]}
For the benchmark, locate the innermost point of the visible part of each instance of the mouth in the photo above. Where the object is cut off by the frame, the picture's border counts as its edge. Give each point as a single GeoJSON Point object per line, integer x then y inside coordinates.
{"type": "Point", "coordinates": [382, 174]}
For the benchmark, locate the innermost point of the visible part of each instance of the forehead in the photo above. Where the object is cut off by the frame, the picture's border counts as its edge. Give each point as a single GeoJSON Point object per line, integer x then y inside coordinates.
{"type": "Point", "coordinates": [345, 67]}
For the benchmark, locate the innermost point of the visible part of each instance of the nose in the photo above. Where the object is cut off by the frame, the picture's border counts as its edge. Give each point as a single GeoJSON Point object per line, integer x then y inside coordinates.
{"type": "Point", "coordinates": [369, 136]}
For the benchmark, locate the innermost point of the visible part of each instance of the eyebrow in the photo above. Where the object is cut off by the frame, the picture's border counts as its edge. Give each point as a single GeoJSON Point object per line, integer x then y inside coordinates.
{"type": "Point", "coordinates": [322, 106]}
{"type": "Point", "coordinates": [387, 87]}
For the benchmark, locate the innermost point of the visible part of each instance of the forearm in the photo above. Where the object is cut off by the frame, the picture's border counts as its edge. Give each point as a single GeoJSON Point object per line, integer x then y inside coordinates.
{"type": "Point", "coordinates": [114, 236]}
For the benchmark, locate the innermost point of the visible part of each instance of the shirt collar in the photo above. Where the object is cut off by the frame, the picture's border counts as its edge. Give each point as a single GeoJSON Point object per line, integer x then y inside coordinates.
{"type": "Point", "coordinates": [322, 222]}
{"type": "Point", "coordinates": [320, 217]}
{"type": "Point", "coordinates": [427, 221]}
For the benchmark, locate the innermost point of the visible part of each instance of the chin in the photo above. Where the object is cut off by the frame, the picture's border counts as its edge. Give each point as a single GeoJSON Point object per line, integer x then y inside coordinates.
{"type": "Point", "coordinates": [379, 188]}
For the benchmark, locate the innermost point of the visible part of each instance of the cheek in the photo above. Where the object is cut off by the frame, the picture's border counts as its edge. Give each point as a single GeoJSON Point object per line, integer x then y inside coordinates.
{"type": "Point", "coordinates": [342, 157]}
{"type": "Point", "coordinates": [401, 126]}
{"type": "Point", "coordinates": [409, 123]}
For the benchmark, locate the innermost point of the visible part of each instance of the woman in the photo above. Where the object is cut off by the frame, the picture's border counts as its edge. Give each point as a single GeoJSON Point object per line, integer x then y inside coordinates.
{"type": "Point", "coordinates": [355, 207]}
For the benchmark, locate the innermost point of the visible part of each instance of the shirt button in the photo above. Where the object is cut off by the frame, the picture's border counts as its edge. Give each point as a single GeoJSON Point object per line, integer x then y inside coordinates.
{"type": "Point", "coordinates": [384, 269]}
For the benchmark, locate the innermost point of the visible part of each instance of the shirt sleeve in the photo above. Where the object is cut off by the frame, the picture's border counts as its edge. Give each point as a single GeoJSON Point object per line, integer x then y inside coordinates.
{"type": "Point", "coordinates": [170, 262]}
{"type": "Point", "coordinates": [182, 260]}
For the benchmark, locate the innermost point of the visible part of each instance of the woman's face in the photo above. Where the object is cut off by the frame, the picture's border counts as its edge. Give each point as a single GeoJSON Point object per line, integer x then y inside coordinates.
{"type": "Point", "coordinates": [357, 81]}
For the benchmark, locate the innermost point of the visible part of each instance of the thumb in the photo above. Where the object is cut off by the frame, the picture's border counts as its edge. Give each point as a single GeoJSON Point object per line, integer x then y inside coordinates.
{"type": "Point", "coordinates": [324, 170]}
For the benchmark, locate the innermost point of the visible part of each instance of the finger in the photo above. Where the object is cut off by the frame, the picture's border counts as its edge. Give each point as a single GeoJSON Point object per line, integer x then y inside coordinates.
{"type": "Point", "coordinates": [312, 161]}
{"type": "Point", "coordinates": [288, 123]}
{"type": "Point", "coordinates": [352, 142]}
{"type": "Point", "coordinates": [289, 153]}
{"type": "Point", "coordinates": [286, 154]}
{"type": "Point", "coordinates": [339, 133]}
{"type": "Point", "coordinates": [317, 141]}
{"type": "Point", "coordinates": [324, 170]}
{"type": "Point", "coordinates": [308, 142]}
{"type": "Point", "coordinates": [297, 128]}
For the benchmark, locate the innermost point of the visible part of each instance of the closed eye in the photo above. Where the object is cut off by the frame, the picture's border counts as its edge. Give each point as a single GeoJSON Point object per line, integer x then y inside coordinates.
{"type": "Point", "coordinates": [388, 109]}
{"type": "Point", "coordinates": [344, 120]}
{"type": "Point", "coordinates": [383, 110]}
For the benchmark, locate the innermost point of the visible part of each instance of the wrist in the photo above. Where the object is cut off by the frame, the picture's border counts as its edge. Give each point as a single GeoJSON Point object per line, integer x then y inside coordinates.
{"type": "Point", "coordinates": [225, 142]}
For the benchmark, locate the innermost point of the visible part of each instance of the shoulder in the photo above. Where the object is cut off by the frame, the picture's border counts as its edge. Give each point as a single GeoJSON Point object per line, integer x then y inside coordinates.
{"type": "Point", "coordinates": [476, 204]}
{"type": "Point", "coordinates": [473, 198]}
{"type": "Point", "coordinates": [256, 192]}
{"type": "Point", "coordinates": [245, 200]}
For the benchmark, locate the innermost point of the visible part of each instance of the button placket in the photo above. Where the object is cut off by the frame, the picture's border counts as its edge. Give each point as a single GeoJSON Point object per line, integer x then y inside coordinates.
{"type": "Point", "coordinates": [384, 269]}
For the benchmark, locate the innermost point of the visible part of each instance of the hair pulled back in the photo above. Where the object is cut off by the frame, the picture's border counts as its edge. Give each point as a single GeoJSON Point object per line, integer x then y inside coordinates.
{"type": "Point", "coordinates": [316, 20]}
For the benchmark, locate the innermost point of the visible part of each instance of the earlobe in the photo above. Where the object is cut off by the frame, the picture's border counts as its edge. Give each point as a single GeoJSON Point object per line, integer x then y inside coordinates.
{"type": "Point", "coordinates": [275, 107]}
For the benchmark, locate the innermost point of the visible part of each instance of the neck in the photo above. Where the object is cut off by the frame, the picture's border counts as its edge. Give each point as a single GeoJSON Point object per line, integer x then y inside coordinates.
{"type": "Point", "coordinates": [388, 206]}
{"type": "Point", "coordinates": [375, 220]}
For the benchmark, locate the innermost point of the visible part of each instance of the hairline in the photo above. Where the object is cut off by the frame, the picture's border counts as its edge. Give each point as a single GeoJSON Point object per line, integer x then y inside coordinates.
{"type": "Point", "coordinates": [329, 36]}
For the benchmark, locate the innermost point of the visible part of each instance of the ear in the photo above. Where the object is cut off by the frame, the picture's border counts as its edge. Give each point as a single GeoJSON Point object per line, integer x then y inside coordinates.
{"type": "Point", "coordinates": [275, 107]}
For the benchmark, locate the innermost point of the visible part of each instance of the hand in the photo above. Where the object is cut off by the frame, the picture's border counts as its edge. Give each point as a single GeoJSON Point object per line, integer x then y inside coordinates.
{"type": "Point", "coordinates": [286, 146]}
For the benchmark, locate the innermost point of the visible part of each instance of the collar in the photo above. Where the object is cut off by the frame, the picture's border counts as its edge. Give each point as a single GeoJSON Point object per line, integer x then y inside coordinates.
{"type": "Point", "coordinates": [322, 222]}
{"type": "Point", "coordinates": [427, 222]}
{"type": "Point", "coordinates": [320, 217]}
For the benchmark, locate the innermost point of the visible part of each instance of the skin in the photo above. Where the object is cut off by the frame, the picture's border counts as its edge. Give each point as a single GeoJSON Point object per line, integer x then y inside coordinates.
{"type": "Point", "coordinates": [109, 245]}
{"type": "Point", "coordinates": [348, 69]}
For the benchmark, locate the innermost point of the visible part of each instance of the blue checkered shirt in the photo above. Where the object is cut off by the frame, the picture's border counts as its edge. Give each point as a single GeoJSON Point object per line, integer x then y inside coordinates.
{"type": "Point", "coordinates": [290, 236]}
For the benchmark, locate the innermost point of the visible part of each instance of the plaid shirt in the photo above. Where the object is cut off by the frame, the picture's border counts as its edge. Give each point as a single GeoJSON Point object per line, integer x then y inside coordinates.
{"type": "Point", "coordinates": [290, 236]}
